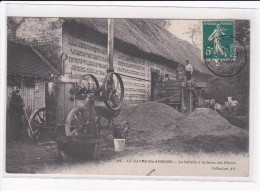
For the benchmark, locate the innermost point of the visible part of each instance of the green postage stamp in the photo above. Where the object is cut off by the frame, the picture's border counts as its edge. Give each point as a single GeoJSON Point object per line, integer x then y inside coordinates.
{"type": "Point", "coordinates": [218, 40]}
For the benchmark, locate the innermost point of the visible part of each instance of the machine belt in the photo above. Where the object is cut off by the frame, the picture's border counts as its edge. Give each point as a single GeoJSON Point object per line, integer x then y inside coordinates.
{"type": "Point", "coordinates": [134, 77]}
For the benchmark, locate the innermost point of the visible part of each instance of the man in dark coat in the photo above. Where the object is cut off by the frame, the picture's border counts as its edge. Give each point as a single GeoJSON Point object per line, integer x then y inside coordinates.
{"type": "Point", "coordinates": [16, 110]}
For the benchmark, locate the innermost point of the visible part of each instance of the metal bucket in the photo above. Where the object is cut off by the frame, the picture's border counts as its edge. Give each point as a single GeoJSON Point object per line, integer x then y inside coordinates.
{"type": "Point", "coordinates": [119, 145]}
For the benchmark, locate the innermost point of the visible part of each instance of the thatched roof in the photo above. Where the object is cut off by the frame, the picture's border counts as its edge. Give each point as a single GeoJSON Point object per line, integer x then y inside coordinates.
{"type": "Point", "coordinates": [27, 61]}
{"type": "Point", "coordinates": [151, 38]}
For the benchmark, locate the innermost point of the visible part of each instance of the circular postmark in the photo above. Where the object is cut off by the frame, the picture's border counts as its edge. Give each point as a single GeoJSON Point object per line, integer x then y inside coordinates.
{"type": "Point", "coordinates": [228, 63]}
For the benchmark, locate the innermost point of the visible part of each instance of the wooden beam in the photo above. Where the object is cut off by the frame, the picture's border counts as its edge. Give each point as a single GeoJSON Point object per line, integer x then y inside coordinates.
{"type": "Point", "coordinates": [110, 45]}
{"type": "Point", "coordinates": [45, 61]}
{"type": "Point", "coordinates": [182, 100]}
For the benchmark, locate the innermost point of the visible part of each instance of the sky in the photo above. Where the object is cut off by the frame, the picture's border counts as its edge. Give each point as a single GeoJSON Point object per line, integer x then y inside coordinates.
{"type": "Point", "coordinates": [180, 27]}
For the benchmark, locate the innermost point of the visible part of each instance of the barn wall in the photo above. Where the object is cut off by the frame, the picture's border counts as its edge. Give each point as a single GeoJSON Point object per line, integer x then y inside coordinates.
{"type": "Point", "coordinates": [39, 95]}
{"type": "Point", "coordinates": [85, 57]}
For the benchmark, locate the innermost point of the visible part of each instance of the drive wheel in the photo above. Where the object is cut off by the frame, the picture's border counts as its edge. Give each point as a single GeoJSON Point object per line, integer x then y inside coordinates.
{"type": "Point", "coordinates": [78, 123]}
{"type": "Point", "coordinates": [37, 124]}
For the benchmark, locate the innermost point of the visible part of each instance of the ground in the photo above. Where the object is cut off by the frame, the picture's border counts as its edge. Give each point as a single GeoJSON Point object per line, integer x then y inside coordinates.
{"type": "Point", "coordinates": [161, 132]}
{"type": "Point", "coordinates": [31, 157]}
{"type": "Point", "coordinates": [26, 157]}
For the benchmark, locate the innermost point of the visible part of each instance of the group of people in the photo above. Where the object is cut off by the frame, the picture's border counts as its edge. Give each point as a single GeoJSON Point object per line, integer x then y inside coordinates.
{"type": "Point", "coordinates": [230, 105]}
{"type": "Point", "coordinates": [181, 73]}
{"type": "Point", "coordinates": [185, 74]}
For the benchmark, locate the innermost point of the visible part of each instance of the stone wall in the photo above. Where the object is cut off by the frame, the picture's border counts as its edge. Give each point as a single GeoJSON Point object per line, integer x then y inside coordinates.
{"type": "Point", "coordinates": [39, 95]}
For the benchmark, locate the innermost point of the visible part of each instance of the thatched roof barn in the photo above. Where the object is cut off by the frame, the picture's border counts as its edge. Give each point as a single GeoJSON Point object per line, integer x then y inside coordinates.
{"type": "Point", "coordinates": [145, 37]}
{"type": "Point", "coordinates": [142, 37]}
{"type": "Point", "coordinates": [143, 49]}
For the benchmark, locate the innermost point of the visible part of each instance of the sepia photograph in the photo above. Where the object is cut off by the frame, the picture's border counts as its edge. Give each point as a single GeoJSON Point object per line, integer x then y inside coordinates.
{"type": "Point", "coordinates": [130, 97]}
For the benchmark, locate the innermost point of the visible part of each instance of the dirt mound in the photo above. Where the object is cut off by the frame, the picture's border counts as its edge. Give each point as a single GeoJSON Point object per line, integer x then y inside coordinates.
{"type": "Point", "coordinates": [205, 121]}
{"type": "Point", "coordinates": [150, 122]}
{"type": "Point", "coordinates": [160, 127]}
{"type": "Point", "coordinates": [150, 115]}
{"type": "Point", "coordinates": [204, 129]}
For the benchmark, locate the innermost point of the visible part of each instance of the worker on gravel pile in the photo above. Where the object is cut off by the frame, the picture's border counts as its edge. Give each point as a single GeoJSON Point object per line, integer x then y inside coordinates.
{"type": "Point", "coordinates": [212, 103]}
{"type": "Point", "coordinates": [189, 70]}
{"type": "Point", "coordinates": [16, 110]}
{"type": "Point", "coordinates": [218, 107]}
{"type": "Point", "coordinates": [234, 104]}
{"type": "Point", "coordinates": [231, 104]}
{"type": "Point", "coordinates": [227, 104]}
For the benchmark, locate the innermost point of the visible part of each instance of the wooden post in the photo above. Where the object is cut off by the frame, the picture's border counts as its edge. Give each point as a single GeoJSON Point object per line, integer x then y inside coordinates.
{"type": "Point", "coordinates": [191, 101]}
{"type": "Point", "coordinates": [182, 100]}
{"type": "Point", "coordinates": [110, 45]}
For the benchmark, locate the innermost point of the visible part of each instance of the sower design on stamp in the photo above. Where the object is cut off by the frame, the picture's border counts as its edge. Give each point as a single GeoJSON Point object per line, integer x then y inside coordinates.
{"type": "Point", "coordinates": [216, 40]}
{"type": "Point", "coordinates": [224, 54]}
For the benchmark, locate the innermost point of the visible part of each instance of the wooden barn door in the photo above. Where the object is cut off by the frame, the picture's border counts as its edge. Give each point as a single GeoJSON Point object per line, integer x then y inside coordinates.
{"type": "Point", "coordinates": [27, 94]}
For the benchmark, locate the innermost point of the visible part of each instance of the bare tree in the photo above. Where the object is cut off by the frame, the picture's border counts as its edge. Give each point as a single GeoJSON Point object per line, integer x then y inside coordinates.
{"type": "Point", "coordinates": [165, 24]}
{"type": "Point", "coordinates": [194, 33]}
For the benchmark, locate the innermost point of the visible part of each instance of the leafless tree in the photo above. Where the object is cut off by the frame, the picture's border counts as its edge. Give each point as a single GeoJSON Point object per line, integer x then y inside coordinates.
{"type": "Point", "coordinates": [194, 33]}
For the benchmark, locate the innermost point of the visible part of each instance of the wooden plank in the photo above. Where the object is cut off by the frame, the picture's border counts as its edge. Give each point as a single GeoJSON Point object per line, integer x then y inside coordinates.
{"type": "Point", "coordinates": [167, 88]}
{"type": "Point", "coordinates": [168, 99]}
{"type": "Point", "coordinates": [168, 92]}
{"type": "Point", "coordinates": [169, 84]}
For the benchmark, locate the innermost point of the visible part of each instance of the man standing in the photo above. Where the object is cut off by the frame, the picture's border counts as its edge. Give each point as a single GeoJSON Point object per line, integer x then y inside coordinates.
{"type": "Point", "coordinates": [218, 107]}
{"type": "Point", "coordinates": [234, 104]}
{"type": "Point", "coordinates": [212, 103]}
{"type": "Point", "coordinates": [189, 70]}
{"type": "Point", "coordinates": [16, 111]}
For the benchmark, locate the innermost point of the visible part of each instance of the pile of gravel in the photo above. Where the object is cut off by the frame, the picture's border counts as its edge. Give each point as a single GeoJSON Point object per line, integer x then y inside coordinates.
{"type": "Point", "coordinates": [150, 115]}
{"type": "Point", "coordinates": [205, 121]}
{"type": "Point", "coordinates": [161, 127]}
{"type": "Point", "coordinates": [150, 122]}
{"type": "Point", "coordinates": [205, 130]}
